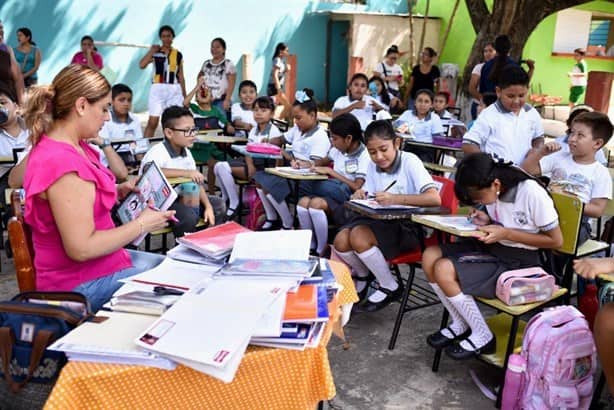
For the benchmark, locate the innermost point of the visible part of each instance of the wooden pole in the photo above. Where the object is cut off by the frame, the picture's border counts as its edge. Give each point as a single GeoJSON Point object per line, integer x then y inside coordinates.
{"type": "Point", "coordinates": [445, 36]}
{"type": "Point", "coordinates": [424, 21]}
{"type": "Point", "coordinates": [411, 34]}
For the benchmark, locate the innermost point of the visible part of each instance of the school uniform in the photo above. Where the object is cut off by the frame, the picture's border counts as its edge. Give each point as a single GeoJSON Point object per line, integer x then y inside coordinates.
{"type": "Point", "coordinates": [114, 129]}
{"type": "Point", "coordinates": [363, 115]}
{"type": "Point", "coordinates": [422, 129]}
{"type": "Point", "coordinates": [9, 142]}
{"type": "Point", "coordinates": [255, 136]}
{"type": "Point", "coordinates": [526, 207]}
{"type": "Point", "coordinates": [307, 146]}
{"type": "Point", "coordinates": [599, 155]}
{"type": "Point", "coordinates": [506, 135]}
{"type": "Point", "coordinates": [394, 237]}
{"type": "Point", "coordinates": [244, 113]}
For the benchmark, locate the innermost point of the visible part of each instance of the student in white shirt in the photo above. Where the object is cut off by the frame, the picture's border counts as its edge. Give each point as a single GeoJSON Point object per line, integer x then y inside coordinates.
{"type": "Point", "coordinates": [245, 168]}
{"type": "Point", "coordinates": [519, 219]}
{"type": "Point", "coordinates": [577, 171]}
{"type": "Point", "coordinates": [562, 140]}
{"type": "Point", "coordinates": [13, 131]}
{"type": "Point", "coordinates": [393, 177]}
{"type": "Point", "coordinates": [357, 102]}
{"type": "Point", "coordinates": [175, 160]}
{"type": "Point", "coordinates": [326, 198]}
{"type": "Point", "coordinates": [509, 128]}
{"type": "Point", "coordinates": [310, 143]}
{"type": "Point", "coordinates": [440, 105]}
{"type": "Point", "coordinates": [241, 113]}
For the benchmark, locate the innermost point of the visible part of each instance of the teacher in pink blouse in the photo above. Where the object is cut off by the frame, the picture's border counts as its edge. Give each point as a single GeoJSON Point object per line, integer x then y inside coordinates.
{"type": "Point", "coordinates": [69, 193]}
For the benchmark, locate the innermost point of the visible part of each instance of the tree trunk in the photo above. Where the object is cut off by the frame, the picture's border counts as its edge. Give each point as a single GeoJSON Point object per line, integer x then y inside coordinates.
{"type": "Point", "coordinates": [516, 18]}
{"type": "Point", "coordinates": [442, 45]}
{"type": "Point", "coordinates": [425, 20]}
{"type": "Point", "coordinates": [410, 4]}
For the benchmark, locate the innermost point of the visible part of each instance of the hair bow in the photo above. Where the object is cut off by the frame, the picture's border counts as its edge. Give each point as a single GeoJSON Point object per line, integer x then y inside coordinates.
{"type": "Point", "coordinates": [301, 96]}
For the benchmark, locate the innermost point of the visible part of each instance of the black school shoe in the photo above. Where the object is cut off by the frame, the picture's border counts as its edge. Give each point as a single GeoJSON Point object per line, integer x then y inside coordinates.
{"type": "Point", "coordinates": [457, 352]}
{"type": "Point", "coordinates": [438, 340]}
{"type": "Point", "coordinates": [363, 293]}
{"type": "Point", "coordinates": [391, 296]}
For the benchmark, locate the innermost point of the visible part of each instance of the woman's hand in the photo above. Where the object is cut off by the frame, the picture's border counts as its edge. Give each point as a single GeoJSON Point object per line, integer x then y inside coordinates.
{"type": "Point", "coordinates": [589, 268]}
{"type": "Point", "coordinates": [359, 194]}
{"type": "Point", "coordinates": [209, 216]}
{"type": "Point", "coordinates": [478, 217]}
{"type": "Point", "coordinates": [126, 188]}
{"type": "Point", "coordinates": [322, 170]}
{"type": "Point", "coordinates": [152, 220]}
{"type": "Point", "coordinates": [494, 233]}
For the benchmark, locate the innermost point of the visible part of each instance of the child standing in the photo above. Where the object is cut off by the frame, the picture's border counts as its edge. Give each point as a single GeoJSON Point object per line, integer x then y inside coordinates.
{"type": "Point", "coordinates": [509, 128]}
{"type": "Point", "coordinates": [422, 123]}
{"type": "Point", "coordinates": [350, 162]}
{"type": "Point", "coordinates": [365, 244]}
{"type": "Point", "coordinates": [578, 76]}
{"type": "Point", "coordinates": [245, 168]}
{"type": "Point", "coordinates": [357, 102]}
{"type": "Point", "coordinates": [310, 144]}
{"type": "Point", "coordinates": [241, 113]}
{"type": "Point", "coordinates": [175, 160]}
{"type": "Point", "coordinates": [520, 218]}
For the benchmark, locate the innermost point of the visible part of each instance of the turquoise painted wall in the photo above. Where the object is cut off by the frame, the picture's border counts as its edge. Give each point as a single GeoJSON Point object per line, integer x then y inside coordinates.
{"type": "Point", "coordinates": [248, 26]}
{"type": "Point", "coordinates": [550, 72]}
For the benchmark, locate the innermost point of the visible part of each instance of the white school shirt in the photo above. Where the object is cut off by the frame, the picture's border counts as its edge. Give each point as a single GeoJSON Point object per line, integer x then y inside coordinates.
{"type": "Point", "coordinates": [313, 144]}
{"type": "Point", "coordinates": [363, 115]}
{"type": "Point", "coordinates": [407, 170]}
{"type": "Point", "coordinates": [526, 207]}
{"type": "Point", "coordinates": [117, 130]}
{"type": "Point", "coordinates": [240, 112]}
{"type": "Point", "coordinates": [394, 70]}
{"type": "Point", "coordinates": [271, 131]}
{"type": "Point", "coordinates": [587, 181]}
{"type": "Point", "coordinates": [8, 143]}
{"type": "Point", "coordinates": [422, 129]}
{"type": "Point", "coordinates": [599, 155]}
{"type": "Point", "coordinates": [501, 132]}
{"type": "Point", "coordinates": [165, 157]}
{"type": "Point", "coordinates": [351, 165]}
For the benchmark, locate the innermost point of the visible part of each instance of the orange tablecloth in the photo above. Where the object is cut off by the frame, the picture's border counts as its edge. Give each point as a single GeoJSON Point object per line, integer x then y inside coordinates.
{"type": "Point", "coordinates": [267, 378]}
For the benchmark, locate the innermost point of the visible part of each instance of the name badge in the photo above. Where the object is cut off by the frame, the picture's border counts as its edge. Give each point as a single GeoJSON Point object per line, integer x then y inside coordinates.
{"type": "Point", "coordinates": [351, 166]}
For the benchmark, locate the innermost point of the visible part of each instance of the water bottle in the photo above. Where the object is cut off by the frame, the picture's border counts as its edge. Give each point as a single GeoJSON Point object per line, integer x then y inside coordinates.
{"type": "Point", "coordinates": [588, 303]}
{"type": "Point", "coordinates": [190, 196]}
{"type": "Point", "coordinates": [514, 380]}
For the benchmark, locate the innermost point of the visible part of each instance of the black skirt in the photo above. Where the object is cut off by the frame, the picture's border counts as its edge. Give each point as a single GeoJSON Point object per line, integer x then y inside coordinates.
{"type": "Point", "coordinates": [480, 278]}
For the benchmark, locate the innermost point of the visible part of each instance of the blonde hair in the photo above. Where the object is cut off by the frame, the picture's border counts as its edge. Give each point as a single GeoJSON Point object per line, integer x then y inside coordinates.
{"type": "Point", "coordinates": [48, 103]}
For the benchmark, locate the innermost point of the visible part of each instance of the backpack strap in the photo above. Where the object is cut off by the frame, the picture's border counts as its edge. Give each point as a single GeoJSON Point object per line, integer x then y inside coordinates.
{"type": "Point", "coordinates": [42, 339]}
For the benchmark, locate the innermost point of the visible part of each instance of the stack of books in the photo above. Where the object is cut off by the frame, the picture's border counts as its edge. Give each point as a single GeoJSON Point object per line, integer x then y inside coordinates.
{"type": "Point", "coordinates": [215, 242]}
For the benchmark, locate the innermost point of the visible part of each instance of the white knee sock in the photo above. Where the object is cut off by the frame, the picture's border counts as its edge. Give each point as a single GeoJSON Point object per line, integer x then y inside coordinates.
{"type": "Point", "coordinates": [375, 261]}
{"type": "Point", "coordinates": [468, 309]}
{"type": "Point", "coordinates": [358, 268]}
{"type": "Point", "coordinates": [458, 324]}
{"type": "Point", "coordinates": [320, 227]}
{"type": "Point", "coordinates": [269, 210]}
{"type": "Point", "coordinates": [304, 221]}
{"type": "Point", "coordinates": [284, 212]}
{"type": "Point", "coordinates": [223, 174]}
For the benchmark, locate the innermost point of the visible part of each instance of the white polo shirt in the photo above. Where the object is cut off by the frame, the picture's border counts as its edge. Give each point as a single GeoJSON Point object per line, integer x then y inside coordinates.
{"type": "Point", "coordinates": [363, 115]}
{"type": "Point", "coordinates": [599, 155]}
{"type": "Point", "coordinates": [408, 171]}
{"type": "Point", "coordinates": [351, 165]}
{"type": "Point", "coordinates": [422, 129]}
{"type": "Point", "coordinates": [117, 130]}
{"type": "Point", "coordinates": [165, 157]}
{"type": "Point", "coordinates": [8, 143]}
{"type": "Point", "coordinates": [271, 131]}
{"type": "Point", "coordinates": [501, 132]}
{"type": "Point", "coordinates": [241, 112]}
{"type": "Point", "coordinates": [314, 144]}
{"type": "Point", "coordinates": [587, 181]}
{"type": "Point", "coordinates": [526, 207]}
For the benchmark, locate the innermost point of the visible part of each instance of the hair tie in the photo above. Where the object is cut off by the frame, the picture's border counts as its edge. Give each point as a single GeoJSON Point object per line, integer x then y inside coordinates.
{"type": "Point", "coordinates": [301, 96]}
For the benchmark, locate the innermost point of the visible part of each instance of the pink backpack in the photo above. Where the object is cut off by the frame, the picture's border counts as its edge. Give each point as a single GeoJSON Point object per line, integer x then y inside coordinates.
{"type": "Point", "coordinates": [255, 215]}
{"type": "Point", "coordinates": [263, 148]}
{"type": "Point", "coordinates": [560, 356]}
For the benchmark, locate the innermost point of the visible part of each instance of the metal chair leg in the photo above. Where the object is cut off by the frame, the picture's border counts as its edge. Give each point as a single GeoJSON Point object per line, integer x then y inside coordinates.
{"type": "Point", "coordinates": [401, 313]}
{"type": "Point", "coordinates": [437, 357]}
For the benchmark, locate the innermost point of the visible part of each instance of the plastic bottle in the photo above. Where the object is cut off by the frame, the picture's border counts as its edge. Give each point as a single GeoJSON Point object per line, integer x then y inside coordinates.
{"type": "Point", "coordinates": [588, 303]}
{"type": "Point", "coordinates": [514, 381]}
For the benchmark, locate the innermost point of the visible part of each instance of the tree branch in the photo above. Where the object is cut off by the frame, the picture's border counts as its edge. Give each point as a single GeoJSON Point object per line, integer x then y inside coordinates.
{"type": "Point", "coordinates": [478, 11]}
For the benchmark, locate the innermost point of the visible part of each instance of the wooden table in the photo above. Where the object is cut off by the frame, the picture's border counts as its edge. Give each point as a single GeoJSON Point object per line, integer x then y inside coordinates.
{"type": "Point", "coordinates": [178, 180]}
{"type": "Point", "coordinates": [212, 131]}
{"type": "Point", "coordinates": [222, 139]}
{"type": "Point", "coordinates": [267, 378]}
{"type": "Point", "coordinates": [392, 214]}
{"type": "Point", "coordinates": [607, 277]}
{"type": "Point", "coordinates": [420, 219]}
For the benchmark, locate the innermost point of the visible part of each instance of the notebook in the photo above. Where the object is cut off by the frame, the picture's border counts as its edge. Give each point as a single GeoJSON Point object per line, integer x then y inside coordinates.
{"type": "Point", "coordinates": [296, 171]}
{"type": "Point", "coordinates": [214, 242]}
{"type": "Point", "coordinates": [457, 222]}
{"type": "Point", "coordinates": [373, 204]}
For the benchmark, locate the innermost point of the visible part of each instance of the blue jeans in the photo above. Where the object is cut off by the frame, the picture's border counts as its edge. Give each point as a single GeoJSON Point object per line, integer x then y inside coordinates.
{"type": "Point", "coordinates": [99, 291]}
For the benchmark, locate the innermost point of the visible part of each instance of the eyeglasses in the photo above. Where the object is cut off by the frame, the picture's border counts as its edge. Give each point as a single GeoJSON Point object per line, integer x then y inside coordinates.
{"type": "Point", "coordinates": [188, 132]}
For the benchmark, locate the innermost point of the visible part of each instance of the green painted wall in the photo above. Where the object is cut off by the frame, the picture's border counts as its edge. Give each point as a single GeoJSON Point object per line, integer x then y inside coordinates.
{"type": "Point", "coordinates": [550, 72]}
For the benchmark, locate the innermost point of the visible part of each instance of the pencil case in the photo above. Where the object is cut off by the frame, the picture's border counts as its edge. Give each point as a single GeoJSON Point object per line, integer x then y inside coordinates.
{"type": "Point", "coordinates": [448, 141]}
{"type": "Point", "coordinates": [263, 148]}
{"type": "Point", "coordinates": [520, 286]}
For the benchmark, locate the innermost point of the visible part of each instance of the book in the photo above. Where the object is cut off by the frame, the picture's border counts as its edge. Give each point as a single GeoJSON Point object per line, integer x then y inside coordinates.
{"type": "Point", "coordinates": [147, 303]}
{"type": "Point", "coordinates": [214, 242]}
{"type": "Point", "coordinates": [296, 171]}
{"type": "Point", "coordinates": [373, 204]}
{"type": "Point", "coordinates": [308, 304]}
{"type": "Point", "coordinates": [152, 185]}
{"type": "Point", "coordinates": [174, 274]}
{"type": "Point", "coordinates": [185, 254]}
{"type": "Point", "coordinates": [270, 267]}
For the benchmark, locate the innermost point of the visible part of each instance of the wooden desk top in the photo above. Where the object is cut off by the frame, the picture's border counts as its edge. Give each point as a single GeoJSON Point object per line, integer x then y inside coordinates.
{"type": "Point", "coordinates": [7, 160]}
{"type": "Point", "coordinates": [212, 131]}
{"type": "Point", "coordinates": [242, 149]}
{"type": "Point", "coordinates": [607, 276]}
{"type": "Point", "coordinates": [453, 231]}
{"type": "Point", "coordinates": [178, 180]}
{"type": "Point", "coordinates": [225, 139]}
{"type": "Point", "coordinates": [392, 214]}
{"type": "Point", "coordinates": [410, 141]}
{"type": "Point", "coordinates": [296, 177]}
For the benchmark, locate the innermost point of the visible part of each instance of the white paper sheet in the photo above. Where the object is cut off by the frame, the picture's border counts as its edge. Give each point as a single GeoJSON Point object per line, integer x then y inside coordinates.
{"type": "Point", "coordinates": [284, 245]}
{"type": "Point", "coordinates": [174, 274]}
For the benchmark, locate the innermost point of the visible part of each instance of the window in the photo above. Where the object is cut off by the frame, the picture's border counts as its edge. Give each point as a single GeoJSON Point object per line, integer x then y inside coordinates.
{"type": "Point", "coordinates": [583, 29]}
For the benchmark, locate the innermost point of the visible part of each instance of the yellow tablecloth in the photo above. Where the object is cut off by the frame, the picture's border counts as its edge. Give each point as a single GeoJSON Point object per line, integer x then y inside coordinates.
{"type": "Point", "coordinates": [266, 379]}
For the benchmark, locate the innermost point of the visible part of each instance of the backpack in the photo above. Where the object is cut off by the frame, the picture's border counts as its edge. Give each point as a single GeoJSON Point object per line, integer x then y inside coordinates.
{"type": "Point", "coordinates": [561, 358]}
{"type": "Point", "coordinates": [255, 215]}
{"type": "Point", "coordinates": [29, 323]}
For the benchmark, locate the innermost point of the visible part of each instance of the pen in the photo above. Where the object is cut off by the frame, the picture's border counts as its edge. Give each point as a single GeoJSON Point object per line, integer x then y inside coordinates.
{"type": "Point", "coordinates": [385, 190]}
{"type": "Point", "coordinates": [479, 207]}
{"type": "Point", "coordinates": [172, 217]}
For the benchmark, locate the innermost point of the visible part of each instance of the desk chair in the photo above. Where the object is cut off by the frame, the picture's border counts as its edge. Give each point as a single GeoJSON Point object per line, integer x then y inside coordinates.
{"type": "Point", "coordinates": [456, 111]}
{"type": "Point", "coordinates": [422, 294]}
{"type": "Point", "coordinates": [281, 124]}
{"type": "Point", "coordinates": [21, 245]}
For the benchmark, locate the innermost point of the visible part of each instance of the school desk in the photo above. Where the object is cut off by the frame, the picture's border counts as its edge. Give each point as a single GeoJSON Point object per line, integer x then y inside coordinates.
{"type": "Point", "coordinates": [9, 159]}
{"type": "Point", "coordinates": [296, 177]}
{"type": "Point", "coordinates": [391, 214]}
{"type": "Point", "coordinates": [222, 139]}
{"type": "Point", "coordinates": [242, 149]}
{"type": "Point", "coordinates": [443, 228]}
{"type": "Point", "coordinates": [267, 378]}
{"type": "Point", "coordinates": [609, 277]}
{"type": "Point", "coordinates": [212, 131]}
{"type": "Point", "coordinates": [178, 180]}
{"type": "Point", "coordinates": [116, 143]}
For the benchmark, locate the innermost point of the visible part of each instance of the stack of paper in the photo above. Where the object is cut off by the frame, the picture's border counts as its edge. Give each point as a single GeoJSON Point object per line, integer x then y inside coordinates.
{"type": "Point", "coordinates": [215, 242]}
{"type": "Point", "coordinates": [185, 254]}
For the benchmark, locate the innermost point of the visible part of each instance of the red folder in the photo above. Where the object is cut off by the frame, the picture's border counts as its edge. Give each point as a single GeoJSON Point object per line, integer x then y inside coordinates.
{"type": "Point", "coordinates": [214, 241]}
